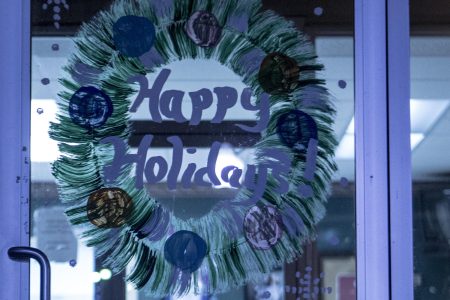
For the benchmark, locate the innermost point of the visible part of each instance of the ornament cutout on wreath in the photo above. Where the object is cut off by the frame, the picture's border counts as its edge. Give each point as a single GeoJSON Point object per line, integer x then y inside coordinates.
{"type": "Point", "coordinates": [239, 240]}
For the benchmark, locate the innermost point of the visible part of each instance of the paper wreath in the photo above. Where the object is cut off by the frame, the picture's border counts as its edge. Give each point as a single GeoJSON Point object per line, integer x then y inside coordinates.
{"type": "Point", "coordinates": [240, 239]}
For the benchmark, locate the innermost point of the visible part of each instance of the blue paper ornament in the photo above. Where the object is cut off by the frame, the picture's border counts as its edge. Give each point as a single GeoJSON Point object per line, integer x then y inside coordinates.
{"type": "Point", "coordinates": [133, 35]}
{"type": "Point", "coordinates": [296, 128]}
{"type": "Point", "coordinates": [90, 107]}
{"type": "Point", "coordinates": [185, 250]}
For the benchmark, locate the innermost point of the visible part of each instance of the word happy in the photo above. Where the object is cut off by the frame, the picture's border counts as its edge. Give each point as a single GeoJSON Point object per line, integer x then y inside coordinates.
{"type": "Point", "coordinates": [169, 104]}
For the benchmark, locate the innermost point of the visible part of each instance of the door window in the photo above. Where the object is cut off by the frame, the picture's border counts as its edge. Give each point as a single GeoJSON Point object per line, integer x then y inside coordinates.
{"type": "Point", "coordinates": [430, 127]}
{"type": "Point", "coordinates": [192, 63]}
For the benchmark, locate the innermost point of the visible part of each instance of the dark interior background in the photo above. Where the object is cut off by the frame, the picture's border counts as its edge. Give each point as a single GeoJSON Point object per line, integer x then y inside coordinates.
{"type": "Point", "coordinates": [427, 17]}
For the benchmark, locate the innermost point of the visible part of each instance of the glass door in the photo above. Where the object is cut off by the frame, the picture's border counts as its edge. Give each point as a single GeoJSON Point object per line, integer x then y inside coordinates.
{"type": "Point", "coordinates": [205, 149]}
{"type": "Point", "coordinates": [202, 95]}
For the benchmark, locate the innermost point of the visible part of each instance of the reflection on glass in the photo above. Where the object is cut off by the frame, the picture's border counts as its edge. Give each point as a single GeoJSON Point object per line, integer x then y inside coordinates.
{"type": "Point", "coordinates": [430, 120]}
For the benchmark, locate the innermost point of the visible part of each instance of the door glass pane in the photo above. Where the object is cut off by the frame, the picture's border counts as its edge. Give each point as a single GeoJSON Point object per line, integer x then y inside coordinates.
{"type": "Point", "coordinates": [237, 180]}
{"type": "Point", "coordinates": [430, 122]}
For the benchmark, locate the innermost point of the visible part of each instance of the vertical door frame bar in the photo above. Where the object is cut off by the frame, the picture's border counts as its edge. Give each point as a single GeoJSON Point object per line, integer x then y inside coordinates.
{"type": "Point", "coordinates": [400, 178]}
{"type": "Point", "coordinates": [383, 158]}
{"type": "Point", "coordinates": [14, 148]}
{"type": "Point", "coordinates": [371, 113]}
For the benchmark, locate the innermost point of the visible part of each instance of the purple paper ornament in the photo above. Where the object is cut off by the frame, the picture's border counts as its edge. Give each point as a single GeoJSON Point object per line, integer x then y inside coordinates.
{"type": "Point", "coordinates": [263, 227]}
{"type": "Point", "coordinates": [203, 29]}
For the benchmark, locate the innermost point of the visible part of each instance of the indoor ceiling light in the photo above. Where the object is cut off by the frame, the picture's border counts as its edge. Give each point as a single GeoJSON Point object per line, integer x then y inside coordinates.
{"type": "Point", "coordinates": [425, 113]}
{"type": "Point", "coordinates": [351, 127]}
{"type": "Point", "coordinates": [346, 149]}
{"type": "Point", "coordinates": [416, 138]}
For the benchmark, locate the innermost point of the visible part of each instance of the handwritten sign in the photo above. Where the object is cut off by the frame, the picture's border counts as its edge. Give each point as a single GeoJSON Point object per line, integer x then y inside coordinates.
{"type": "Point", "coordinates": [168, 103]}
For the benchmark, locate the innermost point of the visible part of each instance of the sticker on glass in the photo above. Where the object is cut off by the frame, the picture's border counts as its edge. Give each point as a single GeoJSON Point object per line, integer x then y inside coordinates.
{"type": "Point", "coordinates": [203, 29]}
{"type": "Point", "coordinates": [109, 207]}
{"type": "Point", "coordinates": [133, 36]}
{"type": "Point", "coordinates": [263, 227]}
{"type": "Point", "coordinates": [90, 107]}
{"type": "Point", "coordinates": [279, 73]}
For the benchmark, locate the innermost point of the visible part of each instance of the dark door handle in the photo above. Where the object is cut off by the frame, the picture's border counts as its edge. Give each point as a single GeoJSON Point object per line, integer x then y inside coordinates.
{"type": "Point", "coordinates": [26, 253]}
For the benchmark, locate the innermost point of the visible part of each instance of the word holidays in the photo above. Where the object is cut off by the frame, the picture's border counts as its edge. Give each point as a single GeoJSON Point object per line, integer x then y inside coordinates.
{"type": "Point", "coordinates": [276, 163]}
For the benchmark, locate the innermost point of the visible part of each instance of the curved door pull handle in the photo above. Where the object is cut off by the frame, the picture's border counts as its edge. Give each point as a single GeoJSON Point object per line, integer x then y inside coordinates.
{"type": "Point", "coordinates": [26, 253]}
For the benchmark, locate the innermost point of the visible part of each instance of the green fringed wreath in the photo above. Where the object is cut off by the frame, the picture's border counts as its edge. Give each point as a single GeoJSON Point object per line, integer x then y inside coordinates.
{"type": "Point", "coordinates": [252, 43]}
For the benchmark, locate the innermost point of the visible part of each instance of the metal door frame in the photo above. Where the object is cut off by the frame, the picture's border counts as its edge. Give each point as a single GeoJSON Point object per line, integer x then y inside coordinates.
{"type": "Point", "coordinates": [383, 156]}
{"type": "Point", "coordinates": [14, 148]}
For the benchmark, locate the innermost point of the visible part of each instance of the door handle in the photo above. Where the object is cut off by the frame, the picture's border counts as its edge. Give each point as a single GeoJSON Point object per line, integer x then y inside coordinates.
{"type": "Point", "coordinates": [26, 253]}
